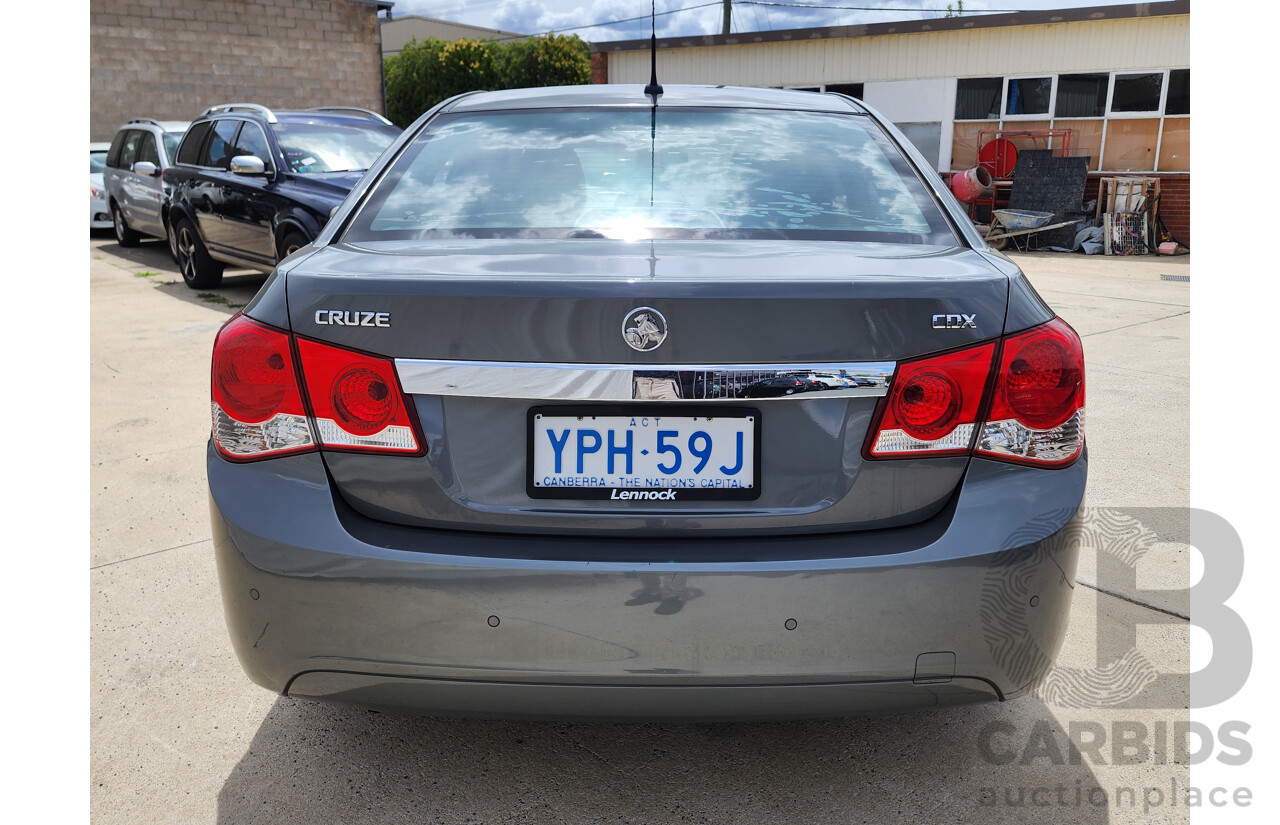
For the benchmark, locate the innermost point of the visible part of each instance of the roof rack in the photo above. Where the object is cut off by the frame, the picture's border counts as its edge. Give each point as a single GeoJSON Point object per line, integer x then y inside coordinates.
{"type": "Point", "coordinates": [150, 120]}
{"type": "Point", "coordinates": [352, 110]}
{"type": "Point", "coordinates": [231, 107]}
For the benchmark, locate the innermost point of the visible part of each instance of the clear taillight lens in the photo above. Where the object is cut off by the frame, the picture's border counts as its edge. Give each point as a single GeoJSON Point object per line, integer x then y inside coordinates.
{"type": "Point", "coordinates": [933, 404]}
{"type": "Point", "coordinates": [1037, 405]}
{"type": "Point", "coordinates": [357, 400]}
{"type": "Point", "coordinates": [257, 405]}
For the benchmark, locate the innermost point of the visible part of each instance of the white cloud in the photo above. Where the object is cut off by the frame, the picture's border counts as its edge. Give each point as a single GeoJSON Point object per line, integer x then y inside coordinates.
{"type": "Point", "coordinates": [536, 16]}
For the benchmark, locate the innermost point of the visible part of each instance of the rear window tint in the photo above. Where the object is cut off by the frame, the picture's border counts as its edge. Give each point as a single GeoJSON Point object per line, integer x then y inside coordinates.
{"type": "Point", "coordinates": [189, 151]}
{"type": "Point", "coordinates": [712, 173]}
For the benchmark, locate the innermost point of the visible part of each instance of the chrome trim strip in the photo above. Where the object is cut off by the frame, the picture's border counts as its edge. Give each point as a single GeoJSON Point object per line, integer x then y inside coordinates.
{"type": "Point", "coordinates": [629, 382]}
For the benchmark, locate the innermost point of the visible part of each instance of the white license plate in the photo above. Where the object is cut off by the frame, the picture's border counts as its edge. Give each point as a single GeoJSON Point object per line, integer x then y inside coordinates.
{"type": "Point", "coordinates": [646, 454]}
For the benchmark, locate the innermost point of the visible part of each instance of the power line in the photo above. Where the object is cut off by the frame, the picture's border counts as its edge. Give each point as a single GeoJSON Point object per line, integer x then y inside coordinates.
{"type": "Point", "coordinates": [624, 20]}
{"type": "Point", "coordinates": [863, 8]}
{"type": "Point", "coordinates": [766, 3]}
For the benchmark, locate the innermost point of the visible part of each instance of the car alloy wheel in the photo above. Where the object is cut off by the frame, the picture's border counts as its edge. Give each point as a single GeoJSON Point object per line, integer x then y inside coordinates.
{"type": "Point", "coordinates": [124, 235]}
{"type": "Point", "coordinates": [185, 245]}
{"type": "Point", "coordinates": [199, 270]}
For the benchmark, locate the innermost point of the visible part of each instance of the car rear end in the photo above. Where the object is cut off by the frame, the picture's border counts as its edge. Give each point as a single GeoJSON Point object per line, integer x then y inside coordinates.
{"type": "Point", "coordinates": [490, 447]}
{"type": "Point", "coordinates": [99, 211]}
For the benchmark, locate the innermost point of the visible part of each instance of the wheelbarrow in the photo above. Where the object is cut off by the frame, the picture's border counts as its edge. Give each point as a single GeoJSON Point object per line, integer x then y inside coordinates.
{"type": "Point", "coordinates": [1010, 223]}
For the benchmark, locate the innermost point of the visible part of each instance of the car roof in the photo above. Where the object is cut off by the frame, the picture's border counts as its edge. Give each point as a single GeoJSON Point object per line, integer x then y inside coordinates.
{"type": "Point", "coordinates": [99, 147]}
{"type": "Point", "coordinates": [672, 95]}
{"type": "Point", "coordinates": [163, 125]}
{"type": "Point", "coordinates": [323, 117]}
{"type": "Point", "coordinates": [295, 117]}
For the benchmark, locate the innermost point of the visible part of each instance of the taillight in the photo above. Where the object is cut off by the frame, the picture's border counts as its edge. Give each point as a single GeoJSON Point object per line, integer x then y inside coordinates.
{"type": "Point", "coordinates": [257, 406]}
{"type": "Point", "coordinates": [933, 404]}
{"type": "Point", "coordinates": [1037, 405]}
{"type": "Point", "coordinates": [1035, 414]}
{"type": "Point", "coordinates": [356, 399]}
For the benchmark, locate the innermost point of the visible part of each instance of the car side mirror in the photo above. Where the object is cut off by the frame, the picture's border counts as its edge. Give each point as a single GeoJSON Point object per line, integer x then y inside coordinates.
{"type": "Point", "coordinates": [248, 165]}
{"type": "Point", "coordinates": [146, 167]}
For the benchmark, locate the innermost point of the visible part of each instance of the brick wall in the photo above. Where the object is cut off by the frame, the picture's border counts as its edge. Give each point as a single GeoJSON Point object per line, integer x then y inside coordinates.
{"type": "Point", "coordinates": [1175, 201]}
{"type": "Point", "coordinates": [172, 59]}
{"type": "Point", "coordinates": [599, 67]}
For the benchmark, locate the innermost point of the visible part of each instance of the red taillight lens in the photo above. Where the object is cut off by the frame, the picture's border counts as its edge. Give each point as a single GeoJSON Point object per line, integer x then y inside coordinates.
{"type": "Point", "coordinates": [927, 404]}
{"type": "Point", "coordinates": [252, 371]}
{"type": "Point", "coordinates": [1037, 407]}
{"type": "Point", "coordinates": [257, 404]}
{"type": "Point", "coordinates": [1035, 415]}
{"type": "Point", "coordinates": [362, 400]}
{"type": "Point", "coordinates": [1041, 379]}
{"type": "Point", "coordinates": [357, 400]}
{"type": "Point", "coordinates": [933, 404]}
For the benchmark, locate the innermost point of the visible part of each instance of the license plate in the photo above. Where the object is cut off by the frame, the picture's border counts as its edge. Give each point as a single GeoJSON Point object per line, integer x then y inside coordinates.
{"type": "Point", "coordinates": [652, 454]}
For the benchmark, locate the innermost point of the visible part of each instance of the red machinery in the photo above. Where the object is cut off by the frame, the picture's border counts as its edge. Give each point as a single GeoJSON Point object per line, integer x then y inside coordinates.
{"type": "Point", "coordinates": [998, 154]}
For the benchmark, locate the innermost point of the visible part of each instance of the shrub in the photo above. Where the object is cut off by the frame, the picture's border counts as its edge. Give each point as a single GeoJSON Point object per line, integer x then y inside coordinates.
{"type": "Point", "coordinates": [429, 71]}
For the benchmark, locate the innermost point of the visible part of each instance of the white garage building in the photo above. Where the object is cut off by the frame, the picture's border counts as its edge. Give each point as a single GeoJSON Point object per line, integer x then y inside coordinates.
{"type": "Point", "coordinates": [1117, 76]}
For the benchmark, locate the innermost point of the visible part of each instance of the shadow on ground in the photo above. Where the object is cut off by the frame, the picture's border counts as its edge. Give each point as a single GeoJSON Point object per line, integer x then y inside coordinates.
{"type": "Point", "coordinates": [311, 762]}
{"type": "Point", "coordinates": [152, 262]}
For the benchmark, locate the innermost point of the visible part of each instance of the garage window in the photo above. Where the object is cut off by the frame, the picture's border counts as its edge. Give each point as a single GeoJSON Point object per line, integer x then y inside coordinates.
{"type": "Point", "coordinates": [1178, 100]}
{"type": "Point", "coordinates": [1082, 95]}
{"type": "Point", "coordinates": [978, 98]}
{"type": "Point", "coordinates": [1137, 92]}
{"type": "Point", "coordinates": [1029, 96]}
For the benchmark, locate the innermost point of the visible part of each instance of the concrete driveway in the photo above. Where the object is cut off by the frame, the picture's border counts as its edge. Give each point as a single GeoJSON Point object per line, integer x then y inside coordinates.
{"type": "Point", "coordinates": [180, 735]}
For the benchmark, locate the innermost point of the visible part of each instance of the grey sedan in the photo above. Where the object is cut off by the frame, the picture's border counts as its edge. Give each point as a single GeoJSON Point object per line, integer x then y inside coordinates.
{"type": "Point", "coordinates": [485, 447]}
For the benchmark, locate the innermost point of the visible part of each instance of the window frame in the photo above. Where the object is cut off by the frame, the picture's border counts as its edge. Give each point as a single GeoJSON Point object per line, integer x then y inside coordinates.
{"type": "Point", "coordinates": [1145, 114]}
{"type": "Point", "coordinates": [124, 146]}
{"type": "Point", "coordinates": [269, 160]}
{"type": "Point", "coordinates": [1004, 121]}
{"type": "Point", "coordinates": [155, 148]}
{"type": "Point", "coordinates": [1004, 97]}
{"type": "Point", "coordinates": [237, 124]}
{"type": "Point", "coordinates": [198, 142]}
{"type": "Point", "coordinates": [985, 119]}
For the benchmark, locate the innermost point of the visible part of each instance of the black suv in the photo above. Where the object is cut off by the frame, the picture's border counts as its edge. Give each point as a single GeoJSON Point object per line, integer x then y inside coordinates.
{"type": "Point", "coordinates": [249, 186]}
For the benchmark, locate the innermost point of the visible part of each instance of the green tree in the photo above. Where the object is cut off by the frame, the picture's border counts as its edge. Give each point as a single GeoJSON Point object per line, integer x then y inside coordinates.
{"type": "Point", "coordinates": [429, 71]}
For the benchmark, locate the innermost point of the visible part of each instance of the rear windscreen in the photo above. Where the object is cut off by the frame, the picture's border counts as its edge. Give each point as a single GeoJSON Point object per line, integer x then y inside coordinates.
{"type": "Point", "coordinates": [637, 173]}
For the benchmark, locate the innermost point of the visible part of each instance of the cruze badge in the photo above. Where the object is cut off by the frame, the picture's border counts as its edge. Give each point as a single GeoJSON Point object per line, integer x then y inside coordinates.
{"type": "Point", "coordinates": [955, 321]}
{"type": "Point", "coordinates": [347, 318]}
{"type": "Point", "coordinates": [644, 329]}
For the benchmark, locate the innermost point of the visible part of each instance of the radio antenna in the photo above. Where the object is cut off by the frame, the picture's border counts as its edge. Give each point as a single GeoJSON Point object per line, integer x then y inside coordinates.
{"type": "Point", "coordinates": [654, 88]}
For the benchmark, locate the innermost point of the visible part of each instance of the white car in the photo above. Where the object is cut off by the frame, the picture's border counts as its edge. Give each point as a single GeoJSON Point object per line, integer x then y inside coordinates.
{"type": "Point", "coordinates": [99, 212]}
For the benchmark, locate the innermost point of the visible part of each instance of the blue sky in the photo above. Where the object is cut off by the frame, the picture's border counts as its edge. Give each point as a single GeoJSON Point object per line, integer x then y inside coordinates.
{"type": "Point", "coordinates": [535, 16]}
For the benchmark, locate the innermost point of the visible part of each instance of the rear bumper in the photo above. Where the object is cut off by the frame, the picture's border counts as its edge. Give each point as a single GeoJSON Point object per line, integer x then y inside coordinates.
{"type": "Point", "coordinates": [320, 601]}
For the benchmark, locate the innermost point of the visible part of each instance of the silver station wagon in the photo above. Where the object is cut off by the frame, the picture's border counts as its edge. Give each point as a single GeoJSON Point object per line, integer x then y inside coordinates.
{"type": "Point", "coordinates": [591, 403]}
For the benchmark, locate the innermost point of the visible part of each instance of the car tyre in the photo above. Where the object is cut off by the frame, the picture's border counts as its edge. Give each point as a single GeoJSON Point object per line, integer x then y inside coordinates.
{"type": "Point", "coordinates": [199, 271]}
{"type": "Point", "coordinates": [171, 236]}
{"type": "Point", "coordinates": [289, 243]}
{"type": "Point", "coordinates": [124, 235]}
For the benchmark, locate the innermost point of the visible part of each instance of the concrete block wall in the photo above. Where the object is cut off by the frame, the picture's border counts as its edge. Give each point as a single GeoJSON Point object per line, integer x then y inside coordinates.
{"type": "Point", "coordinates": [172, 59]}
